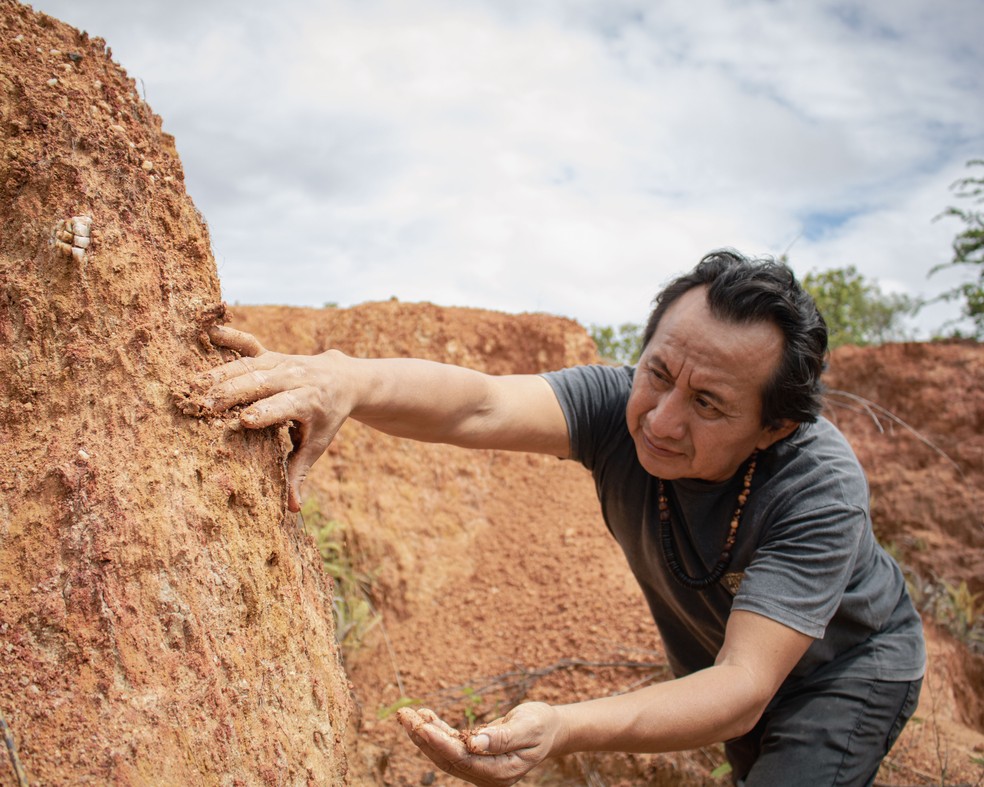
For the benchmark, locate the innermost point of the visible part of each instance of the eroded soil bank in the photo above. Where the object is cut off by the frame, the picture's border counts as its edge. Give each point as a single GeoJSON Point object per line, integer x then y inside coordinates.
{"type": "Point", "coordinates": [161, 620]}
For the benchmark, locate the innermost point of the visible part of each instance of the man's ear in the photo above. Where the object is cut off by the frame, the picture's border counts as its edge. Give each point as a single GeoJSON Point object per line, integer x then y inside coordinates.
{"type": "Point", "coordinates": [772, 435]}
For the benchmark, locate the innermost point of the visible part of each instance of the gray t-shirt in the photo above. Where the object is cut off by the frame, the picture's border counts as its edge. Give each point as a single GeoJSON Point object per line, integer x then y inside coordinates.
{"type": "Point", "coordinates": [805, 555]}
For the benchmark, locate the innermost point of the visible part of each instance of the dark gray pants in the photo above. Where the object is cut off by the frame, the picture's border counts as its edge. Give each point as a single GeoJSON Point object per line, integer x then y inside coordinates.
{"type": "Point", "coordinates": [830, 733]}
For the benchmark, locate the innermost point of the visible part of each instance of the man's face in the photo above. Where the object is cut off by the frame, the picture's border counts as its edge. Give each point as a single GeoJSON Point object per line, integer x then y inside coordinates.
{"type": "Point", "coordinates": [695, 410]}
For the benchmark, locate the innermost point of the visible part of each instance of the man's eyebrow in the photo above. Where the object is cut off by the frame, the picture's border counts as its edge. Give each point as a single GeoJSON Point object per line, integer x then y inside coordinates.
{"type": "Point", "coordinates": [723, 402]}
{"type": "Point", "coordinates": [657, 363]}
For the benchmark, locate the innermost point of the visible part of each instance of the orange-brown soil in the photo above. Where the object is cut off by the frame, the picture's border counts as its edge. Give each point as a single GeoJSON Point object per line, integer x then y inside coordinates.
{"type": "Point", "coordinates": [164, 621]}
{"type": "Point", "coordinates": [161, 620]}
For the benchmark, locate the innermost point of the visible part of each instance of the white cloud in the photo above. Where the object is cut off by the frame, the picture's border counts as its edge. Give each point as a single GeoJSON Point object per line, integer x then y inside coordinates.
{"type": "Point", "coordinates": [556, 156]}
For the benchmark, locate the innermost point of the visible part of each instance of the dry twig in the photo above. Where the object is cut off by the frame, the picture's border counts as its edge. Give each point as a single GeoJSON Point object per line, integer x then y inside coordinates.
{"type": "Point", "coordinates": [516, 684]}
{"type": "Point", "coordinates": [15, 763]}
{"type": "Point", "coordinates": [873, 410]}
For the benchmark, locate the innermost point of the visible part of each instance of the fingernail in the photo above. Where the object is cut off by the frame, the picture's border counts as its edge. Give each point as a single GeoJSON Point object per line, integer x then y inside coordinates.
{"type": "Point", "coordinates": [481, 743]}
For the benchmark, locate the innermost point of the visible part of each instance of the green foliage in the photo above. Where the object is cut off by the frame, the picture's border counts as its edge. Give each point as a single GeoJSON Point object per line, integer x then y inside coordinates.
{"type": "Point", "coordinates": [473, 705]}
{"type": "Point", "coordinates": [389, 710]}
{"type": "Point", "coordinates": [968, 249]}
{"type": "Point", "coordinates": [856, 310]}
{"type": "Point", "coordinates": [962, 612]}
{"type": "Point", "coordinates": [353, 612]}
{"type": "Point", "coordinates": [952, 605]}
{"type": "Point", "coordinates": [618, 345]}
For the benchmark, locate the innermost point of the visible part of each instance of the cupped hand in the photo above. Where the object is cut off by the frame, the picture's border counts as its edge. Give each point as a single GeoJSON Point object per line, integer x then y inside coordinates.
{"type": "Point", "coordinates": [296, 389]}
{"type": "Point", "coordinates": [497, 754]}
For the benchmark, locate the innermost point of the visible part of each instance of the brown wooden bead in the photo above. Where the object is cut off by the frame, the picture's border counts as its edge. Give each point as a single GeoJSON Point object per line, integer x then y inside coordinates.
{"type": "Point", "coordinates": [669, 549]}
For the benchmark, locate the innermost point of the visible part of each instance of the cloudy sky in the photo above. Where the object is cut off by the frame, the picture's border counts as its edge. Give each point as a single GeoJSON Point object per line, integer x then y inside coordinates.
{"type": "Point", "coordinates": [566, 156]}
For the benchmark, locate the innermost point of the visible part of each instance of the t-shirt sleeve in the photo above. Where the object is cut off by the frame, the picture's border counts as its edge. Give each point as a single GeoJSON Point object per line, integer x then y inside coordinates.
{"type": "Point", "coordinates": [593, 400]}
{"type": "Point", "coordinates": [800, 574]}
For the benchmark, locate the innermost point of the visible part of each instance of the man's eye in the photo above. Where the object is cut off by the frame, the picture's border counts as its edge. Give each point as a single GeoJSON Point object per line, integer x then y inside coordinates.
{"type": "Point", "coordinates": [705, 406]}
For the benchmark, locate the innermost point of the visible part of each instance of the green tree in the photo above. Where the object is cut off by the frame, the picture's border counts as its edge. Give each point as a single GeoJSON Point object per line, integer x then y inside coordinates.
{"type": "Point", "coordinates": [968, 249]}
{"type": "Point", "coordinates": [618, 345]}
{"type": "Point", "coordinates": [856, 310]}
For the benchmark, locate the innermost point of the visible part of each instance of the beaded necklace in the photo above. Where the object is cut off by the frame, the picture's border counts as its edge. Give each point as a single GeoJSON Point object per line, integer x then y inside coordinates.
{"type": "Point", "coordinates": [669, 548]}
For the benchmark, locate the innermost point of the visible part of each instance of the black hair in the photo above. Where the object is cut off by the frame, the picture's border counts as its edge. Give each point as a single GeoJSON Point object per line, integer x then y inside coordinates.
{"type": "Point", "coordinates": [742, 290]}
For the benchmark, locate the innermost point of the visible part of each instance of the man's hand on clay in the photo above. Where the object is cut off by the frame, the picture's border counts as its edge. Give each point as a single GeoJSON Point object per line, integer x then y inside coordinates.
{"type": "Point", "coordinates": [498, 754]}
{"type": "Point", "coordinates": [277, 389]}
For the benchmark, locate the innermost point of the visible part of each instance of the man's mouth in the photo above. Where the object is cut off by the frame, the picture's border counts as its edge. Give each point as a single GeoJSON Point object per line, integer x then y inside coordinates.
{"type": "Point", "coordinates": [658, 449]}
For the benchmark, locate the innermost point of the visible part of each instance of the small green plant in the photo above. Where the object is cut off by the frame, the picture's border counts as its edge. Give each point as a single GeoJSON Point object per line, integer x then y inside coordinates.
{"type": "Point", "coordinates": [953, 607]}
{"type": "Point", "coordinates": [389, 710]}
{"type": "Point", "coordinates": [963, 611]}
{"type": "Point", "coordinates": [893, 549]}
{"type": "Point", "coordinates": [473, 705]}
{"type": "Point", "coordinates": [354, 614]}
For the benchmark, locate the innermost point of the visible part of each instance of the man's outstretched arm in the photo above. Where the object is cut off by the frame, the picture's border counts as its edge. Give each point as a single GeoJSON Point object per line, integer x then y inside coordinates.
{"type": "Point", "coordinates": [417, 399]}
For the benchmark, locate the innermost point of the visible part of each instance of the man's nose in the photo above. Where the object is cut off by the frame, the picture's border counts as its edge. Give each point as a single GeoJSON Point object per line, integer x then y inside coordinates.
{"type": "Point", "coordinates": [668, 418]}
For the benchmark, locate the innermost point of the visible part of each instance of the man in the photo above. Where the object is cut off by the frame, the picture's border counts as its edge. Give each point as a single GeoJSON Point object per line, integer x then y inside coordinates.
{"type": "Point", "coordinates": [742, 513]}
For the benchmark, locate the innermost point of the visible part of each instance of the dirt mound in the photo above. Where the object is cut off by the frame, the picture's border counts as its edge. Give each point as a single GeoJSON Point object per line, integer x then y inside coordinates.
{"type": "Point", "coordinates": [915, 414]}
{"type": "Point", "coordinates": [496, 579]}
{"type": "Point", "coordinates": [160, 620]}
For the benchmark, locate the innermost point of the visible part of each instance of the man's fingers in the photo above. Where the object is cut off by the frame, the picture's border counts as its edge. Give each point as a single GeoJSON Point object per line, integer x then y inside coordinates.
{"type": "Point", "coordinates": [443, 745]}
{"type": "Point", "coordinates": [525, 732]}
{"type": "Point", "coordinates": [250, 380]}
{"type": "Point", "coordinates": [275, 389]}
{"type": "Point", "coordinates": [428, 715]}
{"type": "Point", "coordinates": [307, 452]}
{"type": "Point", "coordinates": [446, 751]}
{"type": "Point", "coordinates": [426, 729]}
{"type": "Point", "coordinates": [480, 743]}
{"type": "Point", "coordinates": [499, 740]}
{"type": "Point", "coordinates": [408, 718]}
{"type": "Point", "coordinates": [240, 341]}
{"type": "Point", "coordinates": [243, 343]}
{"type": "Point", "coordinates": [271, 407]}
{"type": "Point", "coordinates": [241, 367]}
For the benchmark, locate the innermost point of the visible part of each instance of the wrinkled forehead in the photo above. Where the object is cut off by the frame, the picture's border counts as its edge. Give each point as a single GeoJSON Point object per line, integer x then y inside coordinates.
{"type": "Point", "coordinates": [690, 337]}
